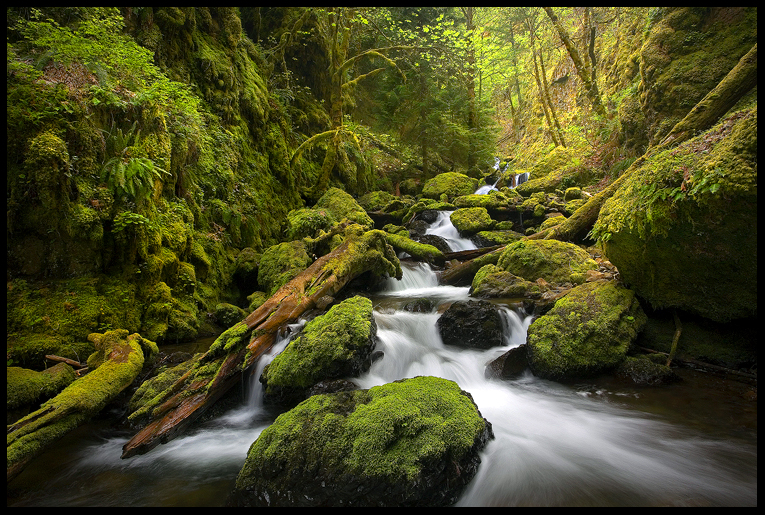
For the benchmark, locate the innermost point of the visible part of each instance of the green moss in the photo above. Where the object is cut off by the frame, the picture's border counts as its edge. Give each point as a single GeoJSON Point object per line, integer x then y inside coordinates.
{"type": "Point", "coordinates": [452, 184]}
{"type": "Point", "coordinates": [471, 220]}
{"type": "Point", "coordinates": [280, 264]}
{"type": "Point", "coordinates": [341, 205]}
{"type": "Point", "coordinates": [390, 432]}
{"type": "Point", "coordinates": [418, 250]}
{"type": "Point", "coordinates": [26, 387]}
{"type": "Point", "coordinates": [307, 222]}
{"type": "Point", "coordinates": [554, 261]}
{"type": "Point", "coordinates": [587, 332]}
{"type": "Point", "coordinates": [331, 346]}
{"type": "Point", "coordinates": [680, 228]}
{"type": "Point", "coordinates": [493, 281]}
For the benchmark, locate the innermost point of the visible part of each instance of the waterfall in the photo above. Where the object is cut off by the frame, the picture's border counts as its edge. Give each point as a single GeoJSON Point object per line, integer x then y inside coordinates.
{"type": "Point", "coordinates": [443, 227]}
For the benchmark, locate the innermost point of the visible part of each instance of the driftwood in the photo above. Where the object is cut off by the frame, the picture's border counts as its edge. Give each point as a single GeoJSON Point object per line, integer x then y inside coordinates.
{"type": "Point", "coordinates": [195, 392]}
{"type": "Point", "coordinates": [739, 81]}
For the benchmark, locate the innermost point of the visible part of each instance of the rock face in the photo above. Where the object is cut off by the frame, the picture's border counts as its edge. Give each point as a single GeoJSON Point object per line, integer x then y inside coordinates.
{"type": "Point", "coordinates": [335, 345]}
{"type": "Point", "coordinates": [413, 442]}
{"type": "Point", "coordinates": [689, 240]}
{"type": "Point", "coordinates": [474, 324]}
{"type": "Point", "coordinates": [587, 332]}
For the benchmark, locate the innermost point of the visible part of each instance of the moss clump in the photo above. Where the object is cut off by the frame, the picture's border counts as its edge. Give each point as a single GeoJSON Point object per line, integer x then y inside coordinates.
{"type": "Point", "coordinates": [471, 220]}
{"type": "Point", "coordinates": [492, 281]}
{"type": "Point", "coordinates": [307, 222]}
{"type": "Point", "coordinates": [335, 345]}
{"type": "Point", "coordinates": [554, 261]}
{"type": "Point", "coordinates": [341, 205]}
{"type": "Point", "coordinates": [421, 251]}
{"type": "Point", "coordinates": [451, 184]}
{"type": "Point", "coordinates": [389, 445]}
{"type": "Point", "coordinates": [26, 387]}
{"type": "Point", "coordinates": [587, 332]}
{"type": "Point", "coordinates": [280, 264]}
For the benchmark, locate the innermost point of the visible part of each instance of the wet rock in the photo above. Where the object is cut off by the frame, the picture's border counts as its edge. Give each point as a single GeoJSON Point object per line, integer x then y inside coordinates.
{"type": "Point", "coordinates": [474, 324]}
{"type": "Point", "coordinates": [509, 365]}
{"type": "Point", "coordinates": [335, 345]}
{"type": "Point", "coordinates": [643, 371]}
{"type": "Point", "coordinates": [413, 442]}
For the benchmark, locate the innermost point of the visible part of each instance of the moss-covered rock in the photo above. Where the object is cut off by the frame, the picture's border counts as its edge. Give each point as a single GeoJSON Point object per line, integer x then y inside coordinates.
{"type": "Point", "coordinates": [335, 345]}
{"type": "Point", "coordinates": [554, 261]}
{"type": "Point", "coordinates": [281, 263]}
{"type": "Point", "coordinates": [682, 229]}
{"type": "Point", "coordinates": [342, 205]}
{"type": "Point", "coordinates": [471, 220]}
{"type": "Point", "coordinates": [418, 250]}
{"type": "Point", "coordinates": [413, 442]}
{"type": "Point", "coordinates": [26, 387]}
{"type": "Point", "coordinates": [307, 222]}
{"type": "Point", "coordinates": [451, 184]}
{"type": "Point", "coordinates": [587, 332]}
{"type": "Point", "coordinates": [492, 281]}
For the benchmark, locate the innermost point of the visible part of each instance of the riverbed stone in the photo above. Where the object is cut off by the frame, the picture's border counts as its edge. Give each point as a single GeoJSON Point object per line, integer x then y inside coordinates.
{"type": "Point", "coordinates": [413, 442]}
{"type": "Point", "coordinates": [587, 332]}
{"type": "Point", "coordinates": [335, 345]}
{"type": "Point", "coordinates": [556, 262]}
{"type": "Point", "coordinates": [472, 324]}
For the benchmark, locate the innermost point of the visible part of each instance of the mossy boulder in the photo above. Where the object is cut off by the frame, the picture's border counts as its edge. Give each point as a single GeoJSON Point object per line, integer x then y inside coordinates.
{"type": "Point", "coordinates": [342, 205]}
{"type": "Point", "coordinates": [414, 442]}
{"type": "Point", "coordinates": [492, 281]}
{"type": "Point", "coordinates": [496, 237]}
{"type": "Point", "coordinates": [451, 184]}
{"type": "Point", "coordinates": [587, 332]}
{"type": "Point", "coordinates": [26, 387]}
{"type": "Point", "coordinates": [307, 222]}
{"type": "Point", "coordinates": [471, 220]}
{"type": "Point", "coordinates": [554, 261]}
{"type": "Point", "coordinates": [335, 345]}
{"type": "Point", "coordinates": [682, 229]}
{"type": "Point", "coordinates": [280, 264]}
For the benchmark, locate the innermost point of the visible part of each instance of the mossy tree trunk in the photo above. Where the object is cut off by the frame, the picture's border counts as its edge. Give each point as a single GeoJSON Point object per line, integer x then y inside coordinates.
{"type": "Point", "coordinates": [737, 83]}
{"type": "Point", "coordinates": [120, 359]}
{"type": "Point", "coordinates": [242, 345]}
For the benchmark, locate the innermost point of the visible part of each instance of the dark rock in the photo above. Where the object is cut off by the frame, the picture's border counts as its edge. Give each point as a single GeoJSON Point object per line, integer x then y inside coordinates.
{"type": "Point", "coordinates": [475, 324]}
{"type": "Point", "coordinates": [509, 365]}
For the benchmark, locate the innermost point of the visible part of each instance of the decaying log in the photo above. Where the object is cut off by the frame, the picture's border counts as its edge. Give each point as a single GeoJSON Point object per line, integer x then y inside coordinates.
{"type": "Point", "coordinates": [468, 269]}
{"type": "Point", "coordinates": [197, 389]}
{"type": "Point", "coordinates": [123, 360]}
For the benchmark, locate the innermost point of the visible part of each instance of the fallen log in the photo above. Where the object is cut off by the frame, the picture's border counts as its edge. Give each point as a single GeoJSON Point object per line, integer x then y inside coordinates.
{"type": "Point", "coordinates": [727, 373]}
{"type": "Point", "coordinates": [468, 269]}
{"type": "Point", "coordinates": [240, 346]}
{"type": "Point", "coordinates": [120, 359]}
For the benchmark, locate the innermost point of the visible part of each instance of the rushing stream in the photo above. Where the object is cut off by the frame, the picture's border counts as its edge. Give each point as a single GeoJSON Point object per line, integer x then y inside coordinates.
{"type": "Point", "coordinates": [595, 444]}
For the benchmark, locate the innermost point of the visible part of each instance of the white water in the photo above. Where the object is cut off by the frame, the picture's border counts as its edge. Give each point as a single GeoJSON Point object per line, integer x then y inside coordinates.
{"type": "Point", "coordinates": [443, 227]}
{"type": "Point", "coordinates": [554, 445]}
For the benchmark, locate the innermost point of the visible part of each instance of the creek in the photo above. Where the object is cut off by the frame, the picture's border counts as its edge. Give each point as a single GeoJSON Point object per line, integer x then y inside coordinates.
{"type": "Point", "coordinates": [596, 443]}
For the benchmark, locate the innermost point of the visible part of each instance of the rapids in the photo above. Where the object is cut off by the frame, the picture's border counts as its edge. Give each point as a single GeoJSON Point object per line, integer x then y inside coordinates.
{"type": "Point", "coordinates": [555, 445]}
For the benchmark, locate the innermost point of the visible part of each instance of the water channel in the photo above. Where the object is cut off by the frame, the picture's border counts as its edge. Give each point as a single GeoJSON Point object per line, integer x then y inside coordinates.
{"type": "Point", "coordinates": [598, 443]}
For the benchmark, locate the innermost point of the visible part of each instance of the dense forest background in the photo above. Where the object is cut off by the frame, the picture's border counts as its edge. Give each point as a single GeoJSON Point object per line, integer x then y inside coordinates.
{"type": "Point", "coordinates": [154, 154]}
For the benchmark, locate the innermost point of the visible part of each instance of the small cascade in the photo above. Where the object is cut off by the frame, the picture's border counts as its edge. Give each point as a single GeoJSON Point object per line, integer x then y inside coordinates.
{"type": "Point", "coordinates": [443, 227]}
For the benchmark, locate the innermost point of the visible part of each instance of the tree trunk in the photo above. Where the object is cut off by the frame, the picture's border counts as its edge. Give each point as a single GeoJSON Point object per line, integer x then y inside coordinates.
{"type": "Point", "coordinates": [221, 367]}
{"type": "Point", "coordinates": [584, 72]}
{"type": "Point", "coordinates": [737, 83]}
